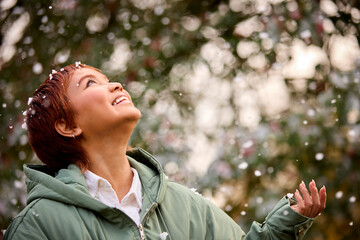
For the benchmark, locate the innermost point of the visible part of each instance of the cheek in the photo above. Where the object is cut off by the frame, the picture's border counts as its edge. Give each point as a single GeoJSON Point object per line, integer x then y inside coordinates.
{"type": "Point", "coordinates": [89, 102]}
{"type": "Point", "coordinates": [127, 93]}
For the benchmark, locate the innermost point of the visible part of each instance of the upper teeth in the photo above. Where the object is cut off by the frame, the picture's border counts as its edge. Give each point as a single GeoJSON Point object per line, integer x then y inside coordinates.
{"type": "Point", "coordinates": [119, 100]}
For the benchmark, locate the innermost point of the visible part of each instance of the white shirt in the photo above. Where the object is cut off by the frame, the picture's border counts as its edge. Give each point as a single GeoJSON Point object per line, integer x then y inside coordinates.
{"type": "Point", "coordinates": [101, 189]}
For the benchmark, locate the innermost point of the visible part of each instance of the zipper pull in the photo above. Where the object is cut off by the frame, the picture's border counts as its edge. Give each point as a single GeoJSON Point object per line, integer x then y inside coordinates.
{"type": "Point", "coordinates": [142, 234]}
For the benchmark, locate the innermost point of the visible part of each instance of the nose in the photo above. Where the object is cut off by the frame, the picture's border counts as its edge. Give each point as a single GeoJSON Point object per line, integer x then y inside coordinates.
{"type": "Point", "coordinates": [115, 86]}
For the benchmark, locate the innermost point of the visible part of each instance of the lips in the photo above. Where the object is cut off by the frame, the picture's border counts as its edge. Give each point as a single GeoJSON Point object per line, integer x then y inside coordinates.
{"type": "Point", "coordinates": [120, 99]}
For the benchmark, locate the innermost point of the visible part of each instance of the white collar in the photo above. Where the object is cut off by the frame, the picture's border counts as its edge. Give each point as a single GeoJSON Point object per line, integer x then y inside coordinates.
{"type": "Point", "coordinates": [98, 184]}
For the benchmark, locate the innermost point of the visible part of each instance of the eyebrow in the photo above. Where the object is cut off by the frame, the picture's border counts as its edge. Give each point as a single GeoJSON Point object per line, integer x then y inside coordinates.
{"type": "Point", "coordinates": [89, 76]}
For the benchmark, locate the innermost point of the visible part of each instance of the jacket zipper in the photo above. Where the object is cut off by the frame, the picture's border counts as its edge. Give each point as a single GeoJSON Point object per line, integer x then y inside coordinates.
{"type": "Point", "coordinates": [141, 230]}
{"type": "Point", "coordinates": [140, 227]}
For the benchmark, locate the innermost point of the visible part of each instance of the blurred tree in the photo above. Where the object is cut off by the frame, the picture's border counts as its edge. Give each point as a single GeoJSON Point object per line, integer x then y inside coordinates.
{"type": "Point", "coordinates": [240, 99]}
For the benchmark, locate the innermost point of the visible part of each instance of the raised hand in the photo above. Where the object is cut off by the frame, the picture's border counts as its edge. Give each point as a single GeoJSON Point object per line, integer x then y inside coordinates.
{"type": "Point", "coordinates": [310, 205]}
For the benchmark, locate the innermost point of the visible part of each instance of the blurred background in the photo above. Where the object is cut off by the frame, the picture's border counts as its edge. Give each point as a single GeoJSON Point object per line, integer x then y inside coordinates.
{"type": "Point", "coordinates": [240, 99]}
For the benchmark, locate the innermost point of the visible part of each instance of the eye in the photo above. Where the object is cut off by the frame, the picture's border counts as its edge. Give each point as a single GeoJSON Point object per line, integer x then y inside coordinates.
{"type": "Point", "coordinates": [90, 82]}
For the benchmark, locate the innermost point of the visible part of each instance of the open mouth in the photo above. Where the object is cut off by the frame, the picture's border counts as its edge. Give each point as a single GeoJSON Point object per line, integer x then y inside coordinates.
{"type": "Point", "coordinates": [119, 100]}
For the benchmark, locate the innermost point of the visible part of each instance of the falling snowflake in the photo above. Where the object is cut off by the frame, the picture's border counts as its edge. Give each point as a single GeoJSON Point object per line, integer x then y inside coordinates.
{"type": "Point", "coordinates": [29, 100]}
{"type": "Point", "coordinates": [243, 165]}
{"type": "Point", "coordinates": [257, 173]}
{"type": "Point", "coordinates": [228, 208]}
{"type": "Point", "coordinates": [35, 214]}
{"type": "Point", "coordinates": [163, 235]}
{"type": "Point", "coordinates": [352, 132]}
{"type": "Point", "coordinates": [77, 64]}
{"type": "Point", "coordinates": [195, 191]}
{"type": "Point", "coordinates": [247, 144]}
{"type": "Point", "coordinates": [311, 112]}
{"type": "Point", "coordinates": [352, 199]}
{"type": "Point", "coordinates": [339, 194]}
{"type": "Point", "coordinates": [290, 195]}
{"type": "Point", "coordinates": [259, 200]}
{"type": "Point", "coordinates": [319, 156]}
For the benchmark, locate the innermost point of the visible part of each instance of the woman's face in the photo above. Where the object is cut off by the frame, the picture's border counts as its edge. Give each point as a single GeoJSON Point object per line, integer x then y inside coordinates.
{"type": "Point", "coordinates": [100, 106]}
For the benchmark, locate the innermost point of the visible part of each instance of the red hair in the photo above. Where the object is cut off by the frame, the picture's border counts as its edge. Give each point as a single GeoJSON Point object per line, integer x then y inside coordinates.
{"type": "Point", "coordinates": [49, 104]}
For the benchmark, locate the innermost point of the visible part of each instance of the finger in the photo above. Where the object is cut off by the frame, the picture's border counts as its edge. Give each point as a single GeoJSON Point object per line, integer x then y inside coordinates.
{"type": "Point", "coordinates": [322, 199]}
{"type": "Point", "coordinates": [307, 199]}
{"type": "Point", "coordinates": [294, 207]}
{"type": "Point", "coordinates": [300, 206]}
{"type": "Point", "coordinates": [315, 198]}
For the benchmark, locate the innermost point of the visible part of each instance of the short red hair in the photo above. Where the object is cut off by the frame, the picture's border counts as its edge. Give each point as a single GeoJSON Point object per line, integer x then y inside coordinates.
{"type": "Point", "coordinates": [49, 104]}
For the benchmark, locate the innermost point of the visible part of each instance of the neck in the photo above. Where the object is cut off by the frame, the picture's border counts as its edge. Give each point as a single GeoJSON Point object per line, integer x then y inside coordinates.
{"type": "Point", "coordinates": [107, 159]}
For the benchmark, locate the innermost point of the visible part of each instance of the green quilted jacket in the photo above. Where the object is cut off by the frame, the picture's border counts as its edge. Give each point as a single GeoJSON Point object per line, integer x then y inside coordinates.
{"type": "Point", "coordinates": [59, 206]}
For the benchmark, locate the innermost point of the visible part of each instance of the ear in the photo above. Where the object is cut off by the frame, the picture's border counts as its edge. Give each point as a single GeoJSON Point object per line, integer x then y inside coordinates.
{"type": "Point", "coordinates": [63, 129]}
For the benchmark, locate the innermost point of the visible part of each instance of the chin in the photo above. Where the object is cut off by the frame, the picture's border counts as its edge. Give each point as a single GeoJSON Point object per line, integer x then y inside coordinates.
{"type": "Point", "coordinates": [135, 114]}
{"type": "Point", "coordinates": [137, 111]}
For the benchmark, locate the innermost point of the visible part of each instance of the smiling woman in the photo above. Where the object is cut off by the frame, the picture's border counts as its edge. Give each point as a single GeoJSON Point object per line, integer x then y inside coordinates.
{"type": "Point", "coordinates": [101, 108]}
{"type": "Point", "coordinates": [91, 187]}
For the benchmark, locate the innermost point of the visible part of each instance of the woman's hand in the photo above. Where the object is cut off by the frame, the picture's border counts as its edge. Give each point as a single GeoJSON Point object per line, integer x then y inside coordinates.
{"type": "Point", "coordinates": [310, 205]}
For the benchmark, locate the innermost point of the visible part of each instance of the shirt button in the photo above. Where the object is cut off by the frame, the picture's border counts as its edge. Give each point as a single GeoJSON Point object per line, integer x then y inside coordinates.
{"type": "Point", "coordinates": [100, 183]}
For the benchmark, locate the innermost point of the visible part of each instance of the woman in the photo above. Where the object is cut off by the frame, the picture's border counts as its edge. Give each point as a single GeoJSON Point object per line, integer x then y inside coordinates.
{"type": "Point", "coordinates": [79, 125]}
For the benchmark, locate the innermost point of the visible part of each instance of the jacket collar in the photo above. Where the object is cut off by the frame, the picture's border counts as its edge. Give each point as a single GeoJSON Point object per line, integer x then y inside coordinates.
{"type": "Point", "coordinates": [69, 185]}
{"type": "Point", "coordinates": [150, 171]}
